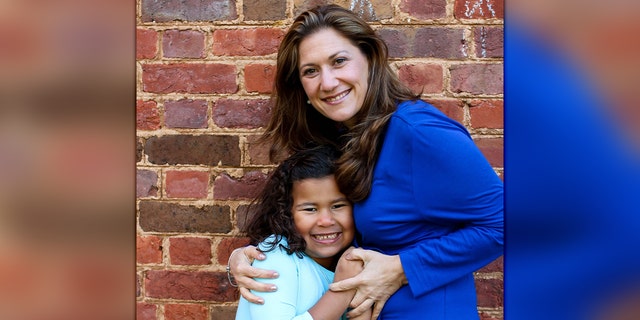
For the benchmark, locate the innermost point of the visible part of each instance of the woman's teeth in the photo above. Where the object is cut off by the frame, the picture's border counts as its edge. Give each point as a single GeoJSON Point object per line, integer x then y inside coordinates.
{"type": "Point", "coordinates": [338, 97]}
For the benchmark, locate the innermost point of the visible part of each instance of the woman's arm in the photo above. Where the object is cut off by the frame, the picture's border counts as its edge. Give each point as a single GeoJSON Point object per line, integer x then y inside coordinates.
{"type": "Point", "coordinates": [240, 268]}
{"type": "Point", "coordinates": [333, 304]}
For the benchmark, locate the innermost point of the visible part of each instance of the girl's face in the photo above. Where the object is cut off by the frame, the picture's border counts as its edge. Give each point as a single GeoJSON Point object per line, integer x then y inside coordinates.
{"type": "Point", "coordinates": [334, 74]}
{"type": "Point", "coordinates": [322, 216]}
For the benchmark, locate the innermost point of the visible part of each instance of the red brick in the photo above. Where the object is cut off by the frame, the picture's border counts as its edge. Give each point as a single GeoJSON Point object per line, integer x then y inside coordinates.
{"type": "Point", "coordinates": [162, 216]}
{"type": "Point", "coordinates": [246, 42]}
{"type": "Point", "coordinates": [487, 114]}
{"type": "Point", "coordinates": [489, 41]}
{"type": "Point", "coordinates": [148, 249]}
{"type": "Point", "coordinates": [398, 41]}
{"type": "Point", "coordinates": [189, 285]}
{"type": "Point", "coordinates": [479, 9]}
{"type": "Point", "coordinates": [185, 113]}
{"type": "Point", "coordinates": [185, 312]}
{"type": "Point", "coordinates": [146, 311]}
{"type": "Point", "coordinates": [490, 293]}
{"type": "Point", "coordinates": [189, 78]}
{"type": "Point", "coordinates": [246, 187]}
{"type": "Point", "coordinates": [146, 43]}
{"type": "Point", "coordinates": [147, 115]}
{"type": "Point", "coordinates": [451, 108]}
{"type": "Point", "coordinates": [227, 245]}
{"type": "Point", "coordinates": [258, 152]}
{"type": "Point", "coordinates": [146, 183]}
{"type": "Point", "coordinates": [425, 9]}
{"type": "Point", "coordinates": [477, 78]}
{"type": "Point", "coordinates": [187, 184]}
{"type": "Point", "coordinates": [259, 77]}
{"type": "Point", "coordinates": [487, 316]}
{"type": "Point", "coordinates": [250, 114]}
{"type": "Point", "coordinates": [190, 251]}
{"type": "Point", "coordinates": [223, 312]}
{"type": "Point", "coordinates": [422, 77]}
{"type": "Point", "coordinates": [493, 150]}
{"type": "Point", "coordinates": [183, 44]}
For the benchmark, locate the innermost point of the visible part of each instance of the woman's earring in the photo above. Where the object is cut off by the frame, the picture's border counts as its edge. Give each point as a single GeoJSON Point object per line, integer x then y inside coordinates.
{"type": "Point", "coordinates": [308, 102]}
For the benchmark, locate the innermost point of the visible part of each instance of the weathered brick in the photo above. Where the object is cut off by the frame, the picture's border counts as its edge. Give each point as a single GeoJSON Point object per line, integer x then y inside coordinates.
{"type": "Point", "coordinates": [487, 114]}
{"type": "Point", "coordinates": [477, 78]}
{"type": "Point", "coordinates": [223, 312]}
{"type": "Point", "coordinates": [189, 285]}
{"type": "Point", "coordinates": [246, 42]}
{"type": "Point", "coordinates": [249, 114]}
{"type": "Point", "coordinates": [197, 150]}
{"type": "Point", "coordinates": [184, 311]}
{"type": "Point", "coordinates": [189, 78]}
{"type": "Point", "coordinates": [183, 44]}
{"type": "Point", "coordinates": [146, 43]}
{"type": "Point", "coordinates": [246, 187]}
{"type": "Point", "coordinates": [486, 316]}
{"type": "Point", "coordinates": [490, 293]}
{"type": "Point", "coordinates": [188, 10]}
{"type": "Point", "coordinates": [479, 9]}
{"type": "Point", "coordinates": [227, 245]}
{"type": "Point", "coordinates": [439, 42]}
{"type": "Point", "coordinates": [489, 41]}
{"type": "Point", "coordinates": [190, 251]}
{"type": "Point", "coordinates": [158, 216]}
{"type": "Point", "coordinates": [185, 113]}
{"type": "Point", "coordinates": [425, 9]}
{"type": "Point", "coordinates": [146, 183]}
{"type": "Point", "coordinates": [187, 184]}
{"type": "Point", "coordinates": [300, 6]}
{"type": "Point", "coordinates": [452, 108]}
{"type": "Point", "coordinates": [492, 149]}
{"type": "Point", "coordinates": [258, 152]}
{"type": "Point", "coordinates": [259, 77]}
{"type": "Point", "coordinates": [146, 311]}
{"type": "Point", "coordinates": [147, 115]}
{"type": "Point", "coordinates": [242, 216]}
{"type": "Point", "coordinates": [260, 10]}
{"type": "Point", "coordinates": [399, 41]}
{"type": "Point", "coordinates": [422, 77]}
{"type": "Point", "coordinates": [148, 249]}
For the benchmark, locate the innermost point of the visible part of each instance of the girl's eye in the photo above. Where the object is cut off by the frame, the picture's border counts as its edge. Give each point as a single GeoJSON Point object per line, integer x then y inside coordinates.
{"type": "Point", "coordinates": [309, 209]}
{"type": "Point", "coordinates": [339, 205]}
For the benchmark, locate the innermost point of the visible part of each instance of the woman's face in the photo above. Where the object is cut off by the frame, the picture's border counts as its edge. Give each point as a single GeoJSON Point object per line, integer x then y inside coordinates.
{"type": "Point", "coordinates": [323, 217]}
{"type": "Point", "coordinates": [334, 74]}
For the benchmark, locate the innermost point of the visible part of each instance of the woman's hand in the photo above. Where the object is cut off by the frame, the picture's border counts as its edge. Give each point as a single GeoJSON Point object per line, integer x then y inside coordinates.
{"type": "Point", "coordinates": [240, 267]}
{"type": "Point", "coordinates": [382, 276]}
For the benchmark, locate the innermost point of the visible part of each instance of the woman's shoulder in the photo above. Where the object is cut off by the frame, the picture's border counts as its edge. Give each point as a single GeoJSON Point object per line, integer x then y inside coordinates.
{"type": "Point", "coordinates": [419, 113]}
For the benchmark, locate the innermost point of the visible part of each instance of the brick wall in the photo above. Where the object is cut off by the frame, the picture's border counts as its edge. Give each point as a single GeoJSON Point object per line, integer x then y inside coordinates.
{"type": "Point", "coordinates": [204, 75]}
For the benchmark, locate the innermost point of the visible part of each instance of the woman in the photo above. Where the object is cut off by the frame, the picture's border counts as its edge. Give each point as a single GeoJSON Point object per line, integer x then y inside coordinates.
{"type": "Point", "coordinates": [302, 222]}
{"type": "Point", "coordinates": [427, 205]}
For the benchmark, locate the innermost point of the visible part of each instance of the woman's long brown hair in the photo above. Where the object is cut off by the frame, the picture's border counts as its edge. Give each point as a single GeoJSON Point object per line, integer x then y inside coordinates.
{"type": "Point", "coordinates": [294, 123]}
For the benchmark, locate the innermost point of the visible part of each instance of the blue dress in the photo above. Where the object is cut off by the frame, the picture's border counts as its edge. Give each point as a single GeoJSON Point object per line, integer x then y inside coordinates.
{"type": "Point", "coordinates": [435, 201]}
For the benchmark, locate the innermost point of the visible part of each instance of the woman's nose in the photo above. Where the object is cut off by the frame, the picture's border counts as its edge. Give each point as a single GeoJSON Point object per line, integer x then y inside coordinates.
{"type": "Point", "coordinates": [328, 80]}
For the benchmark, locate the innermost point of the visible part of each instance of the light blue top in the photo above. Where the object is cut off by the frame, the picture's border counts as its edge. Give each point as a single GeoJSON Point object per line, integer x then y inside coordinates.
{"type": "Point", "coordinates": [301, 283]}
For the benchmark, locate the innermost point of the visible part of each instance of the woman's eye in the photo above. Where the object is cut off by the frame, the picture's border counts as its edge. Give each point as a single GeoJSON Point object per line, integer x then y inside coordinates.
{"type": "Point", "coordinates": [308, 72]}
{"type": "Point", "coordinates": [340, 60]}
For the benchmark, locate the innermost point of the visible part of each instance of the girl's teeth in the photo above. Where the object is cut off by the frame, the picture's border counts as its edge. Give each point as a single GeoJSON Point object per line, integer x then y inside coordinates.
{"type": "Point", "coordinates": [327, 236]}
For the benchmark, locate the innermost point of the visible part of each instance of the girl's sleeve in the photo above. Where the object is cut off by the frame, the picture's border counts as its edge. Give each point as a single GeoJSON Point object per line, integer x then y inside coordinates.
{"type": "Point", "coordinates": [279, 305]}
{"type": "Point", "coordinates": [457, 186]}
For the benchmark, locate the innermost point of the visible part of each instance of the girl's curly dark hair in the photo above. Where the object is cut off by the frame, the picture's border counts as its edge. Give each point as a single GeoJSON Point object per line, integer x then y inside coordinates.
{"type": "Point", "coordinates": [270, 212]}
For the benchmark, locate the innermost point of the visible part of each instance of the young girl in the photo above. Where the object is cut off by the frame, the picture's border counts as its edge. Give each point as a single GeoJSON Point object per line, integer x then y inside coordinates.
{"type": "Point", "coordinates": [302, 223]}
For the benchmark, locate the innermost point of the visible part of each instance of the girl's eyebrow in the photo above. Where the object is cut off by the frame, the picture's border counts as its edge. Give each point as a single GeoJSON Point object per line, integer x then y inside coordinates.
{"type": "Point", "coordinates": [331, 57]}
